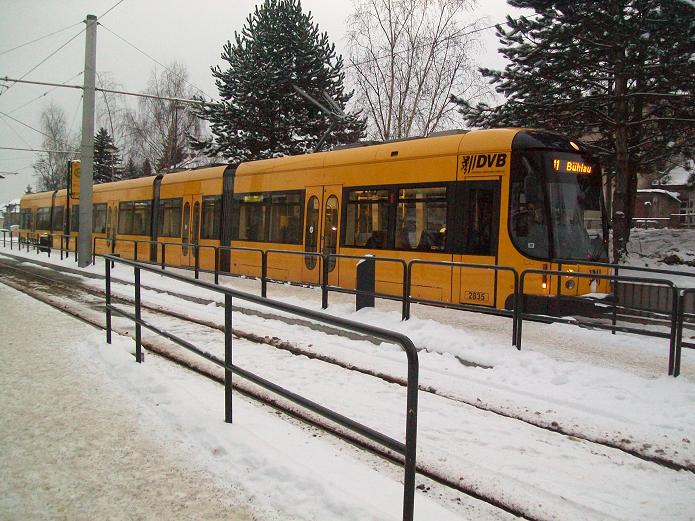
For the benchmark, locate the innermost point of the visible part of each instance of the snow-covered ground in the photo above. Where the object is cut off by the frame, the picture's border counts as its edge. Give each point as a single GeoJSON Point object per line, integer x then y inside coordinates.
{"type": "Point", "coordinates": [600, 387]}
{"type": "Point", "coordinates": [668, 249]}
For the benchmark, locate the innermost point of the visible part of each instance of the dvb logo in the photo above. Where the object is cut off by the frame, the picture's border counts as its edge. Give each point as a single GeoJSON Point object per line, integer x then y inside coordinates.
{"type": "Point", "coordinates": [483, 162]}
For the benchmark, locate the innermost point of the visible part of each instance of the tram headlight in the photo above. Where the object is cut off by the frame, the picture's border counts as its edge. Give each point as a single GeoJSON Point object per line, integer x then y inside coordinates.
{"type": "Point", "coordinates": [569, 284]}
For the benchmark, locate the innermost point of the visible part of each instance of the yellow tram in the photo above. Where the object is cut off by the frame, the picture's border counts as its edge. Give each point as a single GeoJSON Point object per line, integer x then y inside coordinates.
{"type": "Point", "coordinates": [518, 198]}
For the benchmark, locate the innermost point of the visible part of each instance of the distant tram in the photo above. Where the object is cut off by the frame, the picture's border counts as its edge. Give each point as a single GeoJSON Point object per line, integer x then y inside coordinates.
{"type": "Point", "coordinates": [506, 197]}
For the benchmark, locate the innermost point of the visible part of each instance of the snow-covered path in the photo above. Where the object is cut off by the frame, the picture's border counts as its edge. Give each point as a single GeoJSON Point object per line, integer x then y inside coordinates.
{"type": "Point", "coordinates": [73, 446]}
{"type": "Point", "coordinates": [87, 433]}
{"type": "Point", "coordinates": [545, 474]}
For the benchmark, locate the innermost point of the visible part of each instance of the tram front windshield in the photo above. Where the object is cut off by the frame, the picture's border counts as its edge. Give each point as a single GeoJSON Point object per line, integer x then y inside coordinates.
{"type": "Point", "coordinates": [556, 207]}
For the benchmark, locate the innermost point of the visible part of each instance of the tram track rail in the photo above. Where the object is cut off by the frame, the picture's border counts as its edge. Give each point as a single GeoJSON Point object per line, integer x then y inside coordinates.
{"type": "Point", "coordinates": [296, 350]}
{"type": "Point", "coordinates": [94, 299]}
{"type": "Point", "coordinates": [27, 285]}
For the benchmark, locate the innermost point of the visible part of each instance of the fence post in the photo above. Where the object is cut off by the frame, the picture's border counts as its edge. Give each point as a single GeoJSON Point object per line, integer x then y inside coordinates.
{"type": "Point", "coordinates": [674, 334]}
{"type": "Point", "coordinates": [138, 316]}
{"type": "Point", "coordinates": [324, 281]}
{"type": "Point", "coordinates": [164, 251]}
{"type": "Point", "coordinates": [405, 309]}
{"type": "Point", "coordinates": [410, 455]}
{"type": "Point", "coordinates": [520, 314]}
{"type": "Point", "coordinates": [135, 252]}
{"type": "Point", "coordinates": [515, 311]}
{"type": "Point", "coordinates": [614, 320]}
{"type": "Point", "coordinates": [196, 252]}
{"type": "Point", "coordinates": [264, 274]}
{"type": "Point", "coordinates": [62, 241]}
{"type": "Point", "coordinates": [227, 358]}
{"type": "Point", "coordinates": [107, 266]}
{"type": "Point", "coordinates": [4, 233]}
{"type": "Point", "coordinates": [217, 265]}
{"type": "Point", "coordinates": [679, 338]}
{"type": "Point", "coordinates": [94, 251]}
{"type": "Point", "coordinates": [113, 250]}
{"type": "Point", "coordinates": [50, 244]}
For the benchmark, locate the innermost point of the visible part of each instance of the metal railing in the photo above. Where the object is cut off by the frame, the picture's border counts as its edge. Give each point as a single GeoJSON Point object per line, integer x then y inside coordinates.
{"type": "Point", "coordinates": [469, 307]}
{"type": "Point", "coordinates": [676, 312]}
{"type": "Point", "coordinates": [522, 314]}
{"type": "Point", "coordinates": [407, 449]}
{"type": "Point", "coordinates": [387, 296]}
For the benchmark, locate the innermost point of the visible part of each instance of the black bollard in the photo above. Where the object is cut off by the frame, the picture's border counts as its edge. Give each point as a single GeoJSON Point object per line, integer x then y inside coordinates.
{"type": "Point", "coordinates": [365, 283]}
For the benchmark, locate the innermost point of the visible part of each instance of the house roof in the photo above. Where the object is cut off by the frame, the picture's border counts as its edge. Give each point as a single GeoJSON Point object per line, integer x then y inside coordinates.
{"type": "Point", "coordinates": [675, 195]}
{"type": "Point", "coordinates": [680, 175]}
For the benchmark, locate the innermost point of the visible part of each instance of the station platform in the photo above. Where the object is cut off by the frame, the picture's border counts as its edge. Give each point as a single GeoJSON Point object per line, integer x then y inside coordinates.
{"type": "Point", "coordinates": [72, 446]}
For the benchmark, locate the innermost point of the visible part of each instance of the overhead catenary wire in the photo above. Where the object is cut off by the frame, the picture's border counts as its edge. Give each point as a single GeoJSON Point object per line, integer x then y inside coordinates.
{"type": "Point", "coordinates": [44, 60]}
{"type": "Point", "coordinates": [21, 138]}
{"type": "Point", "coordinates": [40, 38]}
{"type": "Point", "coordinates": [41, 150]}
{"type": "Point", "coordinates": [102, 15]}
{"type": "Point", "coordinates": [74, 115]}
{"type": "Point", "coordinates": [45, 93]}
{"type": "Point", "coordinates": [155, 60]}
{"type": "Point", "coordinates": [126, 93]}
{"type": "Point", "coordinates": [24, 124]}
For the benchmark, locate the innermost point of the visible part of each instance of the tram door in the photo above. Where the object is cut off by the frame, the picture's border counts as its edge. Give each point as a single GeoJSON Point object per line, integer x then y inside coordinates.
{"type": "Point", "coordinates": [321, 231]}
{"type": "Point", "coordinates": [479, 202]}
{"type": "Point", "coordinates": [190, 229]}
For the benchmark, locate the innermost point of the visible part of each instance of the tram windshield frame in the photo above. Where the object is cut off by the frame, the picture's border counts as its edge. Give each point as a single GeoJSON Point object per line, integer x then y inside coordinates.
{"type": "Point", "coordinates": [556, 209]}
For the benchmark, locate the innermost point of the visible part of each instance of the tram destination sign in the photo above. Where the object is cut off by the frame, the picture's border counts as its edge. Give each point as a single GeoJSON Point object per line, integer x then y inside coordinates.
{"type": "Point", "coordinates": [565, 166]}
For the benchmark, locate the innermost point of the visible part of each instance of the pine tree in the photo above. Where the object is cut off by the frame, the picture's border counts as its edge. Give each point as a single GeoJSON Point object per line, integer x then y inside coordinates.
{"type": "Point", "coordinates": [261, 114]}
{"type": "Point", "coordinates": [131, 171]}
{"type": "Point", "coordinates": [106, 160]}
{"type": "Point", "coordinates": [618, 74]}
{"type": "Point", "coordinates": [146, 168]}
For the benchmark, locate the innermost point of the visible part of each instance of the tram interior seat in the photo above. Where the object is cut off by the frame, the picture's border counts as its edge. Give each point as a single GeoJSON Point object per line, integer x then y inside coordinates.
{"type": "Point", "coordinates": [431, 241]}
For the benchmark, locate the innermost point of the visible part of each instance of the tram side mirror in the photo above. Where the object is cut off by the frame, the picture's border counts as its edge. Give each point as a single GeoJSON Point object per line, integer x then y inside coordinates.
{"type": "Point", "coordinates": [532, 189]}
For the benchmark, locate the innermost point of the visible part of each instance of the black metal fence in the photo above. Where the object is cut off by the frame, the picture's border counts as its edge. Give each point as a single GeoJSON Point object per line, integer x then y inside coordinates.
{"type": "Point", "coordinates": [674, 309]}
{"type": "Point", "coordinates": [407, 449]}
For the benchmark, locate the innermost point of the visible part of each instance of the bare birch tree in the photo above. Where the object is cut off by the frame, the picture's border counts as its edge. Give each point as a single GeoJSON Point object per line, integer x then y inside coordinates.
{"type": "Point", "coordinates": [407, 59]}
{"type": "Point", "coordinates": [159, 130]}
{"type": "Point", "coordinates": [51, 167]}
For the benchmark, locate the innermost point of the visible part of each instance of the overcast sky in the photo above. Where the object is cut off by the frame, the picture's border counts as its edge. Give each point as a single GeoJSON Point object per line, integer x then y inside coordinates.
{"type": "Point", "coordinates": [168, 30]}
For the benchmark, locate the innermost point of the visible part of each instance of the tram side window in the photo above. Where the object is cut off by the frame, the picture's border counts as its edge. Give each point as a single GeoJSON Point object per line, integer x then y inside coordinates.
{"type": "Point", "coordinates": [367, 221]}
{"type": "Point", "coordinates": [134, 217]}
{"type": "Point", "coordinates": [27, 218]}
{"type": "Point", "coordinates": [170, 218]}
{"type": "Point", "coordinates": [125, 218]}
{"type": "Point", "coordinates": [75, 218]}
{"type": "Point", "coordinates": [142, 216]}
{"type": "Point", "coordinates": [58, 212]}
{"type": "Point", "coordinates": [43, 218]}
{"type": "Point", "coordinates": [212, 216]}
{"type": "Point", "coordinates": [421, 219]}
{"type": "Point", "coordinates": [251, 214]}
{"type": "Point", "coordinates": [527, 223]}
{"type": "Point", "coordinates": [286, 217]}
{"type": "Point", "coordinates": [99, 218]}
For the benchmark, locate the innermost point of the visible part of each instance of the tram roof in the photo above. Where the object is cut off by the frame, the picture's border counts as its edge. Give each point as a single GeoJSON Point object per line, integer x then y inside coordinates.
{"type": "Point", "coordinates": [125, 184]}
{"type": "Point", "coordinates": [493, 140]}
{"type": "Point", "coordinates": [198, 174]}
